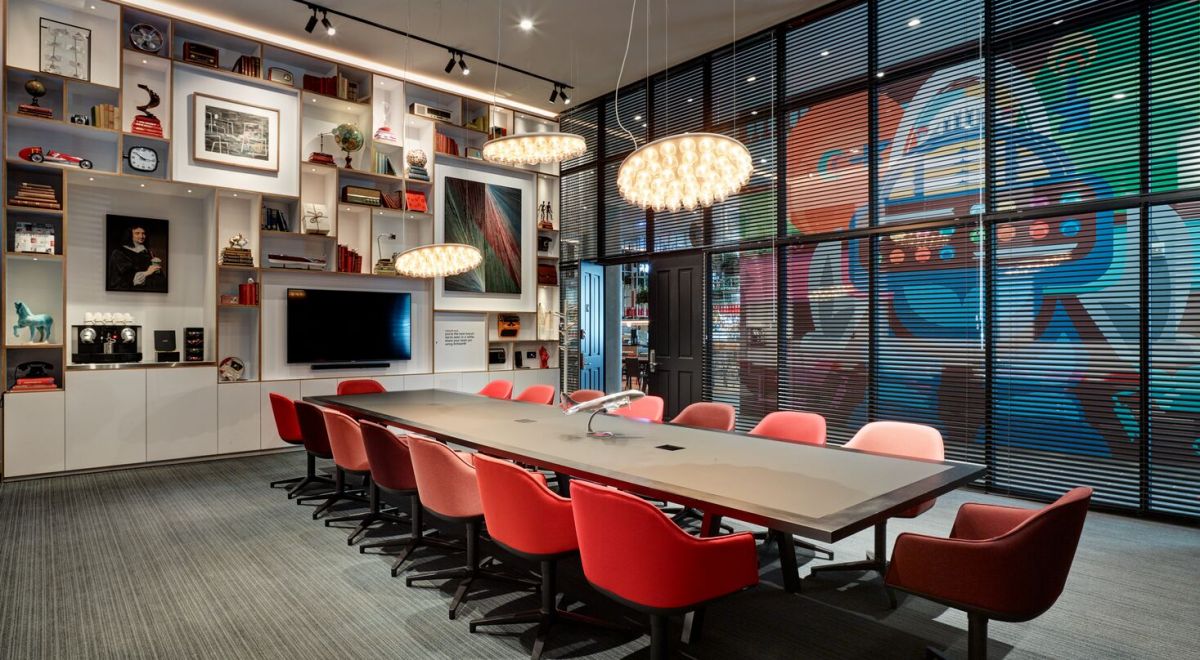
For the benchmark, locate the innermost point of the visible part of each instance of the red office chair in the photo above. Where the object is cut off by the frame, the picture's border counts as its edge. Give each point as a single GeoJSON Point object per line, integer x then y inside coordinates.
{"type": "Point", "coordinates": [360, 386]}
{"type": "Point", "coordinates": [529, 520]}
{"type": "Point", "coordinates": [999, 563]}
{"type": "Point", "coordinates": [707, 415]}
{"type": "Point", "coordinates": [449, 491]}
{"type": "Point", "coordinates": [647, 408]}
{"type": "Point", "coordinates": [634, 554]}
{"type": "Point", "coordinates": [791, 426]}
{"type": "Point", "coordinates": [891, 439]}
{"type": "Point", "coordinates": [543, 394]}
{"type": "Point", "coordinates": [288, 428]}
{"type": "Point", "coordinates": [349, 440]}
{"type": "Point", "coordinates": [580, 396]}
{"type": "Point", "coordinates": [316, 443]}
{"type": "Point", "coordinates": [497, 389]}
{"type": "Point", "coordinates": [349, 458]}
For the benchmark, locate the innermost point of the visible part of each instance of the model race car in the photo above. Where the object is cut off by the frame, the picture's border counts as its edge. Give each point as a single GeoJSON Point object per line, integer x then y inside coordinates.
{"type": "Point", "coordinates": [36, 155]}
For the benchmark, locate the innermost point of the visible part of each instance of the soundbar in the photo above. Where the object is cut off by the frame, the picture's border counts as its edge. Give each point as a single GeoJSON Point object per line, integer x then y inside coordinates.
{"type": "Point", "coordinates": [325, 366]}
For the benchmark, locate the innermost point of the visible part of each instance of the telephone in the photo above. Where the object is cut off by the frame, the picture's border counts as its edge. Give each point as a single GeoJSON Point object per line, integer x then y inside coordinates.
{"type": "Point", "coordinates": [33, 369]}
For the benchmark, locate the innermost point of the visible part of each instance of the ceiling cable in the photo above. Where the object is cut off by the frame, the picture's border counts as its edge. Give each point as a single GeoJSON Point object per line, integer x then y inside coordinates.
{"type": "Point", "coordinates": [617, 92]}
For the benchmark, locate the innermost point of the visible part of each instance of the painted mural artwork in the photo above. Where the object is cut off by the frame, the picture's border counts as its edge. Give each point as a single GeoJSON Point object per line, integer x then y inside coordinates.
{"type": "Point", "coordinates": [487, 216]}
{"type": "Point", "coordinates": [1066, 297]}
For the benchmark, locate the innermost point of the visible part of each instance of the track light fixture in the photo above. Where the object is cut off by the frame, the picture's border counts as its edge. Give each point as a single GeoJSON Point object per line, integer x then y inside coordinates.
{"type": "Point", "coordinates": [312, 22]}
{"type": "Point", "coordinates": [450, 64]}
{"type": "Point", "coordinates": [563, 94]}
{"type": "Point", "coordinates": [462, 64]}
{"type": "Point", "coordinates": [554, 95]}
{"type": "Point", "coordinates": [329, 29]}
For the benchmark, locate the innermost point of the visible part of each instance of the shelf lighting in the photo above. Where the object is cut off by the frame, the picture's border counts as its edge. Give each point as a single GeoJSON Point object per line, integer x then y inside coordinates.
{"type": "Point", "coordinates": [534, 148]}
{"type": "Point", "coordinates": [438, 260]}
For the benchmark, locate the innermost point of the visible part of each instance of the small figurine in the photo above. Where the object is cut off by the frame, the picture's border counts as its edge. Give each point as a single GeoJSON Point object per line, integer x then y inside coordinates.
{"type": "Point", "coordinates": [238, 241]}
{"type": "Point", "coordinates": [544, 356]}
{"type": "Point", "coordinates": [41, 323]}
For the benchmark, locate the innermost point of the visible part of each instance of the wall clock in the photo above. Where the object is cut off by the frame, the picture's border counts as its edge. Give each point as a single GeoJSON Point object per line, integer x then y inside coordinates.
{"type": "Point", "coordinates": [142, 159]}
{"type": "Point", "coordinates": [146, 38]}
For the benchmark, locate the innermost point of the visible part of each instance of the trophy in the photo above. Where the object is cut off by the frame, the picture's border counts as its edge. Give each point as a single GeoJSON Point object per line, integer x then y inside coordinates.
{"type": "Point", "coordinates": [146, 123]}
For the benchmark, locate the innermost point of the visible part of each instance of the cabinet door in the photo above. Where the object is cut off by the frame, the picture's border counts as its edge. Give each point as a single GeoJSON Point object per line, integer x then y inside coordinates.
{"type": "Point", "coordinates": [106, 418]}
{"type": "Point", "coordinates": [238, 417]}
{"type": "Point", "coordinates": [181, 413]}
{"type": "Point", "coordinates": [269, 434]}
{"type": "Point", "coordinates": [34, 433]}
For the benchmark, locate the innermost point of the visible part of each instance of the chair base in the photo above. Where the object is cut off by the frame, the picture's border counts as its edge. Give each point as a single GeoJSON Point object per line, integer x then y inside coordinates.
{"type": "Point", "coordinates": [339, 494]}
{"type": "Point", "coordinates": [419, 537]}
{"type": "Point", "coordinates": [376, 514]}
{"type": "Point", "coordinates": [977, 637]}
{"type": "Point", "coordinates": [876, 561]}
{"type": "Point", "coordinates": [285, 482]}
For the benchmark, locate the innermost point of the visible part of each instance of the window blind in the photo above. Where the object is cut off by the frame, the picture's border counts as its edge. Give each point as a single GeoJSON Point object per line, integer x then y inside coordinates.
{"type": "Point", "coordinates": [825, 53]}
{"type": "Point", "coordinates": [582, 121]}
{"type": "Point", "coordinates": [915, 29]}
{"type": "Point", "coordinates": [634, 119]}
{"type": "Point", "coordinates": [743, 341]}
{"type": "Point", "coordinates": [1175, 96]}
{"type": "Point", "coordinates": [680, 100]}
{"type": "Point", "coordinates": [578, 215]}
{"type": "Point", "coordinates": [624, 223]}
{"type": "Point", "coordinates": [827, 165]}
{"type": "Point", "coordinates": [569, 294]}
{"type": "Point", "coordinates": [1022, 14]}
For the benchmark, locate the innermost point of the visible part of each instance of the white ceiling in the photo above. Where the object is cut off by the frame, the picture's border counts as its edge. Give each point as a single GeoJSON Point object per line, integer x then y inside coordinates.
{"type": "Point", "coordinates": [579, 42]}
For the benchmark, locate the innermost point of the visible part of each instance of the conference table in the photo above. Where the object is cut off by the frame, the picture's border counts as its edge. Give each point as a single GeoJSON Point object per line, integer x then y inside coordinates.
{"type": "Point", "coordinates": [822, 493]}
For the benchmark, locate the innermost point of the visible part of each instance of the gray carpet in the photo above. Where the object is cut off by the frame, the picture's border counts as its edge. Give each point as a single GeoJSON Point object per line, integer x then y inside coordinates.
{"type": "Point", "coordinates": [204, 561]}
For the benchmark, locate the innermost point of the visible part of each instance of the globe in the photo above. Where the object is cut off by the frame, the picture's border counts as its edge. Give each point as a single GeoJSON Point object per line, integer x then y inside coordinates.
{"type": "Point", "coordinates": [349, 138]}
{"type": "Point", "coordinates": [36, 89]}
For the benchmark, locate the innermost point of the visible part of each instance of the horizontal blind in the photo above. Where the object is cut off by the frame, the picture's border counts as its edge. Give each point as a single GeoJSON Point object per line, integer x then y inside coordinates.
{"type": "Point", "coordinates": [624, 223]}
{"type": "Point", "coordinates": [827, 165]}
{"type": "Point", "coordinates": [578, 215]}
{"type": "Point", "coordinates": [910, 30]}
{"type": "Point", "coordinates": [1174, 309]}
{"type": "Point", "coordinates": [634, 120]}
{"type": "Point", "coordinates": [1067, 118]}
{"type": "Point", "coordinates": [928, 333]}
{"type": "Point", "coordinates": [823, 361]}
{"type": "Point", "coordinates": [1066, 367]}
{"type": "Point", "coordinates": [1024, 14]}
{"type": "Point", "coordinates": [569, 294]}
{"type": "Point", "coordinates": [679, 105]}
{"type": "Point", "coordinates": [1175, 96]}
{"type": "Point", "coordinates": [743, 99]}
{"type": "Point", "coordinates": [825, 53]}
{"type": "Point", "coordinates": [931, 145]}
{"type": "Point", "coordinates": [742, 354]}
{"type": "Point", "coordinates": [582, 121]}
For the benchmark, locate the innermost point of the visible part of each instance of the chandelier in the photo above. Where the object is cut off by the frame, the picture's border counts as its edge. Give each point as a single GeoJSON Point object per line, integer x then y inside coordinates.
{"type": "Point", "coordinates": [684, 171]}
{"type": "Point", "coordinates": [534, 148]}
{"type": "Point", "coordinates": [438, 260]}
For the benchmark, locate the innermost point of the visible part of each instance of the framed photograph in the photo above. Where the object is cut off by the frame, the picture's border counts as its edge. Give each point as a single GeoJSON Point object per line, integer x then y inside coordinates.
{"type": "Point", "coordinates": [236, 134]}
{"type": "Point", "coordinates": [65, 49]}
{"type": "Point", "coordinates": [137, 254]}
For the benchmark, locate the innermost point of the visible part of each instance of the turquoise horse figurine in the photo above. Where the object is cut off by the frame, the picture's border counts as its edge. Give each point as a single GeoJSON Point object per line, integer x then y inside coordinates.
{"type": "Point", "coordinates": [41, 323]}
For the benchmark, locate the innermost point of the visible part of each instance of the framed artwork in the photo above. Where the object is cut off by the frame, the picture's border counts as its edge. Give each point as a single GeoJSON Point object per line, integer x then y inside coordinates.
{"type": "Point", "coordinates": [236, 134]}
{"type": "Point", "coordinates": [65, 49]}
{"type": "Point", "coordinates": [488, 216]}
{"type": "Point", "coordinates": [137, 254]}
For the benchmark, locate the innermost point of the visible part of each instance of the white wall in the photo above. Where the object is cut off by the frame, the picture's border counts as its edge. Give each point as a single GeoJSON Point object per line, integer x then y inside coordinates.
{"type": "Point", "coordinates": [188, 80]}
{"type": "Point", "coordinates": [191, 263]}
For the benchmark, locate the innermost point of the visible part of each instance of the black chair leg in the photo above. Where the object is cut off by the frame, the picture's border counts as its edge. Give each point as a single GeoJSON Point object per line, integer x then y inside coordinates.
{"type": "Point", "coordinates": [339, 494]}
{"type": "Point", "coordinates": [310, 477]}
{"type": "Point", "coordinates": [659, 637]}
{"type": "Point", "coordinates": [977, 625]}
{"type": "Point", "coordinates": [466, 574]}
{"type": "Point", "coordinates": [285, 482]}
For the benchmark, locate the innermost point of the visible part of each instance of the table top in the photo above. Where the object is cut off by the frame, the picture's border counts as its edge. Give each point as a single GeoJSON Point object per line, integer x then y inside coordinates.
{"type": "Point", "coordinates": [824, 493]}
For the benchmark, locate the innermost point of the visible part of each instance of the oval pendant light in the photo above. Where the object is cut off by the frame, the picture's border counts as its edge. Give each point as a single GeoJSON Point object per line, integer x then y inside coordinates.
{"type": "Point", "coordinates": [688, 171]}
{"type": "Point", "coordinates": [438, 260]}
{"type": "Point", "coordinates": [534, 148]}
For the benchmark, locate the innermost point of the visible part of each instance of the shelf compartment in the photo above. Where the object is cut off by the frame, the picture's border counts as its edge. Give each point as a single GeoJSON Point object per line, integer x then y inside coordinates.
{"type": "Point", "coordinates": [96, 145]}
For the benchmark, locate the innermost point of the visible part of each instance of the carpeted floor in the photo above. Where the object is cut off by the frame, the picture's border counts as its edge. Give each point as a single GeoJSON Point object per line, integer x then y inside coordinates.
{"type": "Point", "coordinates": [204, 561]}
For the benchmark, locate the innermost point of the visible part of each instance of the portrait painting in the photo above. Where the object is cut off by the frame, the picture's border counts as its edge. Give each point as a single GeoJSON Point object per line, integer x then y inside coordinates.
{"type": "Point", "coordinates": [487, 216]}
{"type": "Point", "coordinates": [237, 134]}
{"type": "Point", "coordinates": [137, 254]}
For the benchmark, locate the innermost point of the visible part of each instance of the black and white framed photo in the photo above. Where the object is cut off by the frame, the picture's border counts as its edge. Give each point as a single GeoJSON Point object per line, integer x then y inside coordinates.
{"type": "Point", "coordinates": [65, 49]}
{"type": "Point", "coordinates": [137, 254]}
{"type": "Point", "coordinates": [236, 134]}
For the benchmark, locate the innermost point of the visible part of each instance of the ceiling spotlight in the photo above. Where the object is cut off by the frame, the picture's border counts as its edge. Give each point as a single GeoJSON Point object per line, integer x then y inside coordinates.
{"type": "Point", "coordinates": [525, 24]}
{"type": "Point", "coordinates": [554, 95]}
{"type": "Point", "coordinates": [914, 22]}
{"type": "Point", "coordinates": [565, 99]}
{"type": "Point", "coordinates": [450, 64]}
{"type": "Point", "coordinates": [312, 22]}
{"type": "Point", "coordinates": [462, 64]}
{"type": "Point", "coordinates": [329, 29]}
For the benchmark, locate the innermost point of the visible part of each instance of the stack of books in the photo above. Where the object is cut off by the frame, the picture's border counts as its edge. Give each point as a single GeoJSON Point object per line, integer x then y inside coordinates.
{"type": "Point", "coordinates": [143, 125]}
{"type": "Point", "coordinates": [248, 65]}
{"type": "Point", "coordinates": [383, 164]}
{"type": "Point", "coordinates": [35, 384]}
{"type": "Point", "coordinates": [233, 256]}
{"type": "Point", "coordinates": [338, 85]}
{"type": "Point", "coordinates": [107, 115]}
{"type": "Point", "coordinates": [444, 144]}
{"type": "Point", "coordinates": [35, 111]}
{"type": "Point", "coordinates": [385, 267]}
{"type": "Point", "coordinates": [418, 173]}
{"type": "Point", "coordinates": [35, 195]}
{"type": "Point", "coordinates": [349, 261]}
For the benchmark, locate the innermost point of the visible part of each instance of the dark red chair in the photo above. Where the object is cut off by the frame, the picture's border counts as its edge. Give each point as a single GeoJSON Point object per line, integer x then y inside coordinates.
{"type": "Point", "coordinates": [634, 554]}
{"type": "Point", "coordinates": [1000, 562]}
{"type": "Point", "coordinates": [288, 428]}
{"type": "Point", "coordinates": [497, 389]}
{"type": "Point", "coordinates": [316, 444]}
{"type": "Point", "coordinates": [360, 386]}
{"type": "Point", "coordinates": [347, 435]}
{"type": "Point", "coordinates": [707, 415]}
{"type": "Point", "coordinates": [543, 394]}
{"type": "Point", "coordinates": [529, 520]}
{"type": "Point", "coordinates": [349, 459]}
{"type": "Point", "coordinates": [446, 482]}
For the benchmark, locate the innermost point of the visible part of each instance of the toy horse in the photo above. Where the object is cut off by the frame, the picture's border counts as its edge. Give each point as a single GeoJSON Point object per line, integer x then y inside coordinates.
{"type": "Point", "coordinates": [39, 322]}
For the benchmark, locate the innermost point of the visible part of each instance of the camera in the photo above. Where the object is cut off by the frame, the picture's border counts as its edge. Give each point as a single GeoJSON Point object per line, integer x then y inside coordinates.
{"type": "Point", "coordinates": [81, 119]}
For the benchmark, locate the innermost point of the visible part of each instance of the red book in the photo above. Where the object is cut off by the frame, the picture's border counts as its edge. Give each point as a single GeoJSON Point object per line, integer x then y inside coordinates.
{"type": "Point", "coordinates": [36, 381]}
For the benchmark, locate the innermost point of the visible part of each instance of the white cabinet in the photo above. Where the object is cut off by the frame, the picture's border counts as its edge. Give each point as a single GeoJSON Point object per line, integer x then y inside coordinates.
{"type": "Point", "coordinates": [181, 413]}
{"type": "Point", "coordinates": [34, 433]}
{"type": "Point", "coordinates": [269, 435]}
{"type": "Point", "coordinates": [318, 387]}
{"type": "Point", "coordinates": [447, 381]}
{"type": "Point", "coordinates": [418, 382]}
{"type": "Point", "coordinates": [106, 418]}
{"type": "Point", "coordinates": [238, 417]}
{"type": "Point", "coordinates": [472, 381]}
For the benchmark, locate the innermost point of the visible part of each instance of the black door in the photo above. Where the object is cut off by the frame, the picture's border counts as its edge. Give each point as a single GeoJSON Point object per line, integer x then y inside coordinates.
{"type": "Point", "coordinates": [676, 329]}
{"type": "Point", "coordinates": [591, 326]}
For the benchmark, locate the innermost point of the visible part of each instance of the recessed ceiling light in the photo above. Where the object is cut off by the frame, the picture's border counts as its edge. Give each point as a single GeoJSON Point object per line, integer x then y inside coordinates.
{"type": "Point", "coordinates": [145, 62]}
{"type": "Point", "coordinates": [1119, 95]}
{"type": "Point", "coordinates": [526, 24]}
{"type": "Point", "coordinates": [91, 178]}
{"type": "Point", "coordinates": [235, 194]}
{"type": "Point", "coordinates": [824, 53]}
{"type": "Point", "coordinates": [1058, 22]}
{"type": "Point", "coordinates": [751, 78]}
{"type": "Point", "coordinates": [754, 112]}
{"type": "Point", "coordinates": [142, 185]}
{"type": "Point", "coordinates": [189, 191]}
{"type": "Point", "coordinates": [690, 100]}
{"type": "Point", "coordinates": [637, 117]}
{"type": "Point", "coordinates": [914, 22]}
{"type": "Point", "coordinates": [879, 74]}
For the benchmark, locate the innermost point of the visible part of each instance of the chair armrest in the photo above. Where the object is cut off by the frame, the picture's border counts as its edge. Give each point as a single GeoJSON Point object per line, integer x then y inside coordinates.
{"type": "Point", "coordinates": [986, 521]}
{"type": "Point", "coordinates": [735, 554]}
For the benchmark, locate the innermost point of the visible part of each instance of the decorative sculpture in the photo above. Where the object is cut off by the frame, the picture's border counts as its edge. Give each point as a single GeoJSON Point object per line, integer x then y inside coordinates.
{"type": "Point", "coordinates": [39, 323]}
{"type": "Point", "coordinates": [146, 123]}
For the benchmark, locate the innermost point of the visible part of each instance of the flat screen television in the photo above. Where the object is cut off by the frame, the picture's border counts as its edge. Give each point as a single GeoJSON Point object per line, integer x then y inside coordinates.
{"type": "Point", "coordinates": [326, 325]}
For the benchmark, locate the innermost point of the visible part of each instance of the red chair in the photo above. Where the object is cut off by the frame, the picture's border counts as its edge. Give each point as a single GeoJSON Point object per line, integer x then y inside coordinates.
{"type": "Point", "coordinates": [497, 389]}
{"type": "Point", "coordinates": [543, 394]}
{"type": "Point", "coordinates": [891, 439]}
{"type": "Point", "coordinates": [360, 386]}
{"type": "Point", "coordinates": [349, 458]}
{"type": "Point", "coordinates": [707, 415]}
{"type": "Point", "coordinates": [791, 426]}
{"type": "Point", "coordinates": [634, 554]}
{"type": "Point", "coordinates": [999, 563]}
{"type": "Point", "coordinates": [288, 428]}
{"type": "Point", "coordinates": [449, 491]}
{"type": "Point", "coordinates": [647, 408]}
{"type": "Point", "coordinates": [311, 422]}
{"type": "Point", "coordinates": [580, 396]}
{"type": "Point", "coordinates": [529, 520]}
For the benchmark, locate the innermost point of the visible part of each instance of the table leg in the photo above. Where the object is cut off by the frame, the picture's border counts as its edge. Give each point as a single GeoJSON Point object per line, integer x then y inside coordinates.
{"type": "Point", "coordinates": [787, 561]}
{"type": "Point", "coordinates": [564, 483]}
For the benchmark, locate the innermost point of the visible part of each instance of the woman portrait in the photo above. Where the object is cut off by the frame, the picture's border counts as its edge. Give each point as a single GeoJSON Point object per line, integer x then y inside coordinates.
{"type": "Point", "coordinates": [137, 254]}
